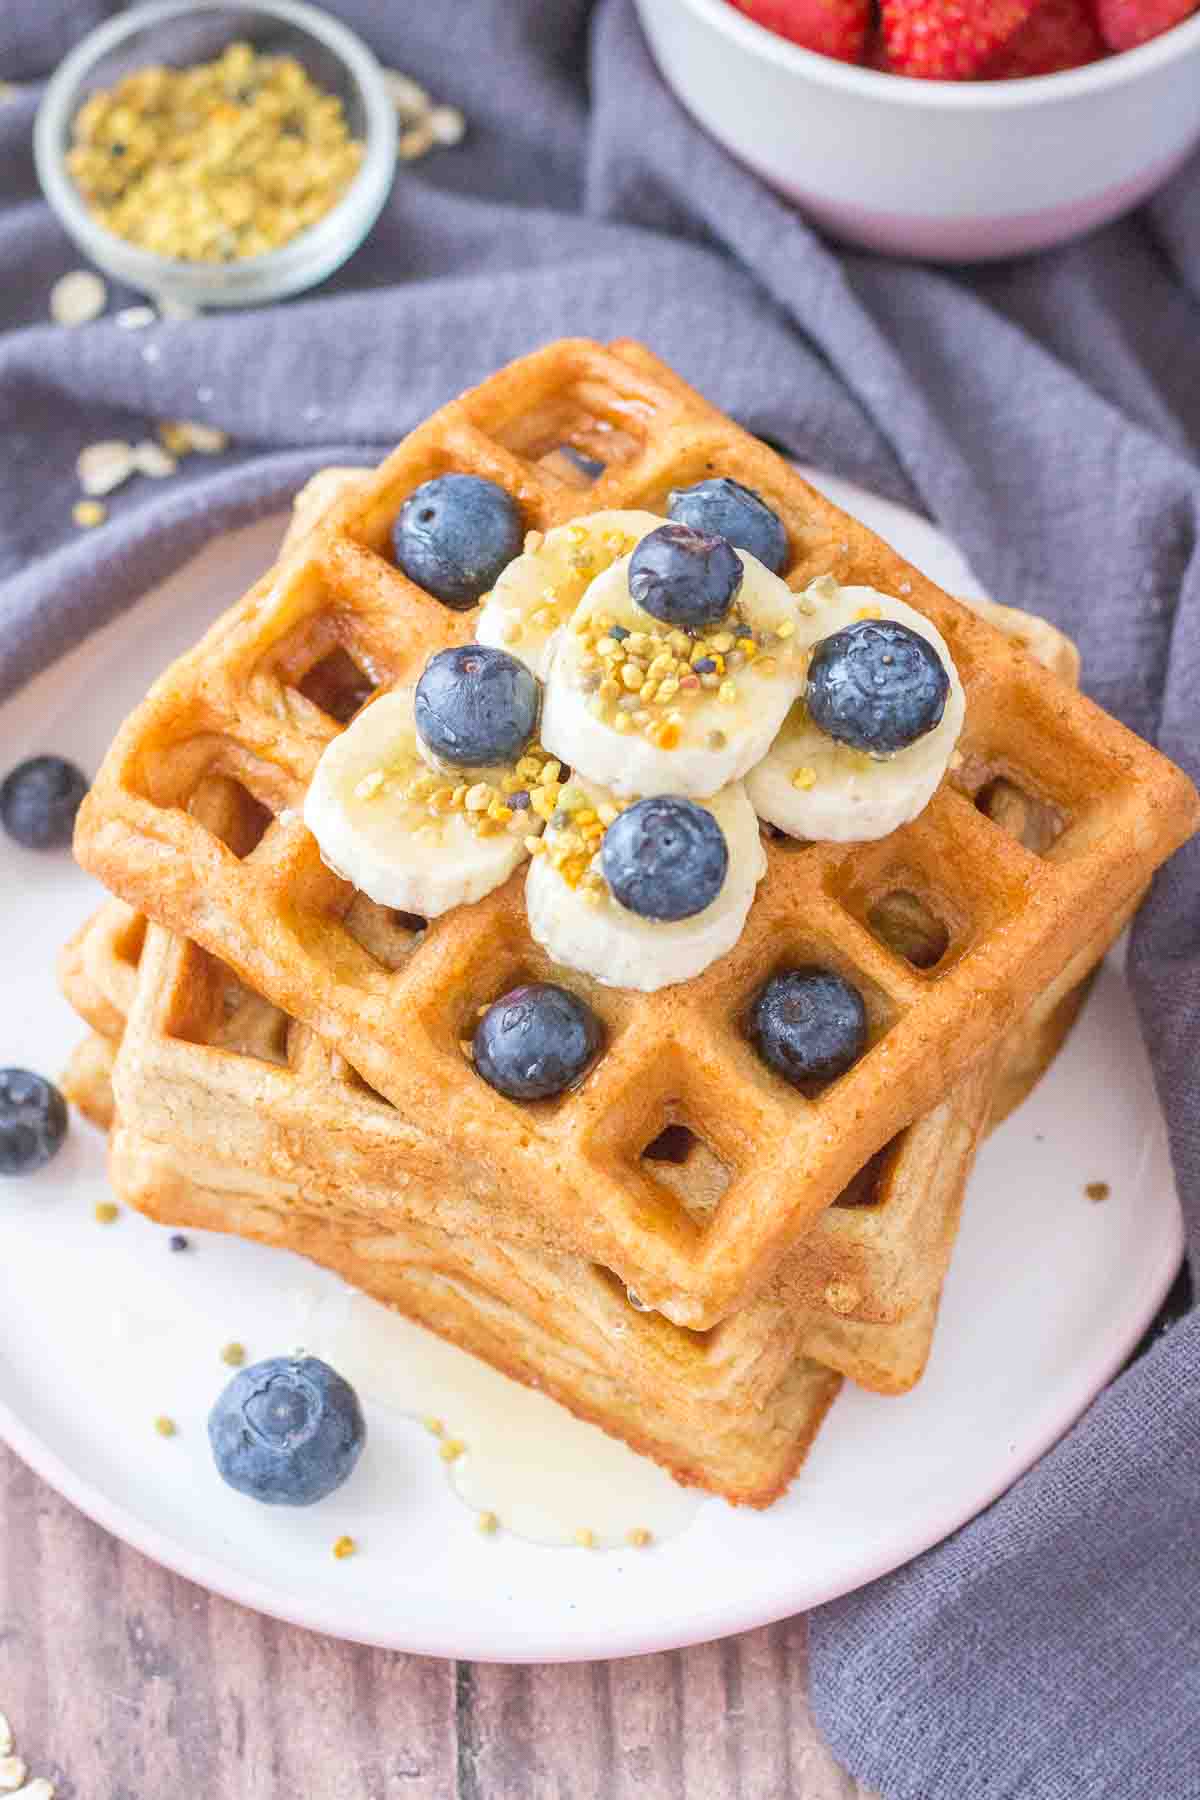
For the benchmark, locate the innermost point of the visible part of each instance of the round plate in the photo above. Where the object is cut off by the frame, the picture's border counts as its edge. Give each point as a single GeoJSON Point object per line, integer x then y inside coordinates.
{"type": "Point", "coordinates": [1048, 1293]}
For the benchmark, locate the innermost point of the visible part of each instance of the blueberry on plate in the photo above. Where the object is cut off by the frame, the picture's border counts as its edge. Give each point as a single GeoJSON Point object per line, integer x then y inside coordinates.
{"type": "Point", "coordinates": [877, 686]}
{"type": "Point", "coordinates": [665, 858]}
{"type": "Point", "coordinates": [39, 800]}
{"type": "Point", "coordinates": [33, 1121]}
{"type": "Point", "coordinates": [475, 706]}
{"type": "Point", "coordinates": [286, 1431]}
{"type": "Point", "coordinates": [535, 1041]}
{"type": "Point", "coordinates": [684, 577]}
{"type": "Point", "coordinates": [454, 534]}
{"type": "Point", "coordinates": [724, 508]}
{"type": "Point", "coordinates": [809, 1024]}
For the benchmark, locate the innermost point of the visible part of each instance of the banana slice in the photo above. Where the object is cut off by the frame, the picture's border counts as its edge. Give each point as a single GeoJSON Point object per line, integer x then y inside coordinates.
{"type": "Point", "coordinates": [540, 590]}
{"type": "Point", "coordinates": [812, 787]}
{"type": "Point", "coordinates": [642, 708]}
{"type": "Point", "coordinates": [576, 919]}
{"type": "Point", "coordinates": [406, 835]}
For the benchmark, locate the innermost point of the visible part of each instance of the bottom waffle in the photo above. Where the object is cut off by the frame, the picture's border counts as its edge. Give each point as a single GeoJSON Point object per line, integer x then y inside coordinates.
{"type": "Point", "coordinates": [182, 1098]}
{"type": "Point", "coordinates": [732, 1410]}
{"type": "Point", "coordinates": [189, 1096]}
{"type": "Point", "coordinates": [306, 1137]}
{"type": "Point", "coordinates": [551, 1323]}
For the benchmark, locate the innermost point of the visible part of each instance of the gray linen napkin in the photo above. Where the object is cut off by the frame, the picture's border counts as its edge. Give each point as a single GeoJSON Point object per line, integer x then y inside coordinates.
{"type": "Point", "coordinates": [1046, 413]}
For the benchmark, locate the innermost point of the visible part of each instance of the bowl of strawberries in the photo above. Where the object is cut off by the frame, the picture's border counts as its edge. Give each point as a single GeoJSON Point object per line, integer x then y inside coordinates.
{"type": "Point", "coordinates": [950, 130]}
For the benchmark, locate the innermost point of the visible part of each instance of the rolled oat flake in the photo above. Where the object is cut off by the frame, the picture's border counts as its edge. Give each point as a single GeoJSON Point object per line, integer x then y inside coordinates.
{"type": "Point", "coordinates": [152, 459]}
{"type": "Point", "coordinates": [77, 298]}
{"type": "Point", "coordinates": [104, 466]}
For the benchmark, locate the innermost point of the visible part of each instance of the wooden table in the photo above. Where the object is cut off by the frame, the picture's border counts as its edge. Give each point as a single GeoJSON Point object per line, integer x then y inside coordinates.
{"type": "Point", "coordinates": [123, 1682]}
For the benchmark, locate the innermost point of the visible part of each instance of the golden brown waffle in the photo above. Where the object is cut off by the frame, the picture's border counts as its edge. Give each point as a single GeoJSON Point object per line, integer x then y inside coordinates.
{"type": "Point", "coordinates": [296, 1124]}
{"type": "Point", "coordinates": [199, 1095]}
{"type": "Point", "coordinates": [1032, 1045]}
{"type": "Point", "coordinates": [761, 1396]}
{"type": "Point", "coordinates": [301, 1130]}
{"type": "Point", "coordinates": [277, 677]}
{"type": "Point", "coordinates": [733, 1409]}
{"type": "Point", "coordinates": [551, 1322]}
{"type": "Point", "coordinates": [87, 1079]}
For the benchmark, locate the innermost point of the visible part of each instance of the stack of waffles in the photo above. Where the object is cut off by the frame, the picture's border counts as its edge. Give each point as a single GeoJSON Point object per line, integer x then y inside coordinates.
{"type": "Point", "coordinates": [683, 1248]}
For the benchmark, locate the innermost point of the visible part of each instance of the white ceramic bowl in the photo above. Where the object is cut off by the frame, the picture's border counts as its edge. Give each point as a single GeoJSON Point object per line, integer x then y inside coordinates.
{"type": "Point", "coordinates": [953, 171]}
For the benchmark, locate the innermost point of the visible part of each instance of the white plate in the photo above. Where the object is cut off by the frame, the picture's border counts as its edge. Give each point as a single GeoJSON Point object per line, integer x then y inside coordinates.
{"type": "Point", "coordinates": [1048, 1294]}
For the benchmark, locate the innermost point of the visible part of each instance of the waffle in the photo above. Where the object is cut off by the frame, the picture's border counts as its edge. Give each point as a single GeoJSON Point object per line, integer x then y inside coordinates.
{"type": "Point", "coordinates": [307, 1129]}
{"type": "Point", "coordinates": [550, 1322]}
{"type": "Point", "coordinates": [278, 676]}
{"type": "Point", "coordinates": [87, 1079]}
{"type": "Point", "coordinates": [1031, 1047]}
{"type": "Point", "coordinates": [302, 1129]}
{"type": "Point", "coordinates": [909, 1197]}
{"type": "Point", "coordinates": [733, 1409]}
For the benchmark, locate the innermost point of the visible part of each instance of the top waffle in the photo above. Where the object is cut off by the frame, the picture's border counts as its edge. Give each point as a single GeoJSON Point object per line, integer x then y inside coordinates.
{"type": "Point", "coordinates": [280, 674]}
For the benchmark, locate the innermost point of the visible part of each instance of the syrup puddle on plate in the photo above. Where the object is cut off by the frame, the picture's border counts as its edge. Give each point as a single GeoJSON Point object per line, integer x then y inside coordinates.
{"type": "Point", "coordinates": [545, 1475]}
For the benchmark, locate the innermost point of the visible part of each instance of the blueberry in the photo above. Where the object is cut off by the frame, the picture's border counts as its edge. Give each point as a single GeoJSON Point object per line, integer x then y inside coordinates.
{"type": "Point", "coordinates": [454, 534]}
{"type": "Point", "coordinates": [177, 1241]}
{"type": "Point", "coordinates": [685, 577]}
{"type": "Point", "coordinates": [475, 706]}
{"type": "Point", "coordinates": [286, 1431]}
{"type": "Point", "coordinates": [729, 510]}
{"type": "Point", "coordinates": [877, 686]}
{"type": "Point", "coordinates": [809, 1024]}
{"type": "Point", "coordinates": [33, 1121]}
{"type": "Point", "coordinates": [578, 459]}
{"type": "Point", "coordinates": [665, 858]}
{"type": "Point", "coordinates": [535, 1041]}
{"type": "Point", "coordinates": [39, 800]}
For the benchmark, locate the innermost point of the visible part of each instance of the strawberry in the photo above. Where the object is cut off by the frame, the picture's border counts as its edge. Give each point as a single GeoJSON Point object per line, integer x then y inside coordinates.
{"type": "Point", "coordinates": [948, 40]}
{"type": "Point", "coordinates": [1058, 34]}
{"type": "Point", "coordinates": [1126, 23]}
{"type": "Point", "coordinates": [875, 55]}
{"type": "Point", "coordinates": [834, 27]}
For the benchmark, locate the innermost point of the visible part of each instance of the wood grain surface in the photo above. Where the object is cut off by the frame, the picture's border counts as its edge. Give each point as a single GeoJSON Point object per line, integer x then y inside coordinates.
{"type": "Point", "coordinates": [123, 1682]}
